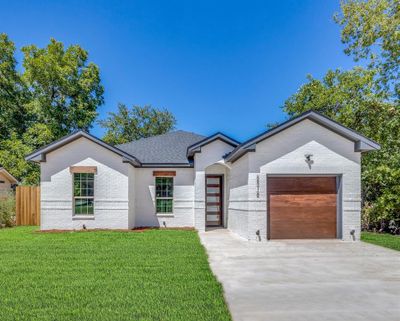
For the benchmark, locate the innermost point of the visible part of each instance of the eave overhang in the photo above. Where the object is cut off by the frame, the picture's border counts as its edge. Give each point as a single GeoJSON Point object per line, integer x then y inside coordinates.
{"type": "Point", "coordinates": [40, 155]}
{"type": "Point", "coordinates": [196, 148]}
{"type": "Point", "coordinates": [361, 143]}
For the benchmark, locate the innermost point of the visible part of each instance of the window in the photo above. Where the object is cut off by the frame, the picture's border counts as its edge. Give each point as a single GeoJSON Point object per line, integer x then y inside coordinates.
{"type": "Point", "coordinates": [2, 182]}
{"type": "Point", "coordinates": [83, 193]}
{"type": "Point", "coordinates": [164, 194]}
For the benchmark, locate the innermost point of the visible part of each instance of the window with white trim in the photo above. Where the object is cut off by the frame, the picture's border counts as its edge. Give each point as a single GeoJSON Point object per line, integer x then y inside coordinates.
{"type": "Point", "coordinates": [164, 194]}
{"type": "Point", "coordinates": [83, 193]}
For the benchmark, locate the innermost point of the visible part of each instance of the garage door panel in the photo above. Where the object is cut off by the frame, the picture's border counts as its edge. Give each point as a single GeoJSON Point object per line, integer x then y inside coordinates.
{"type": "Point", "coordinates": [303, 215]}
{"type": "Point", "coordinates": [303, 184]}
{"type": "Point", "coordinates": [302, 207]}
{"type": "Point", "coordinates": [308, 200]}
{"type": "Point", "coordinates": [306, 231]}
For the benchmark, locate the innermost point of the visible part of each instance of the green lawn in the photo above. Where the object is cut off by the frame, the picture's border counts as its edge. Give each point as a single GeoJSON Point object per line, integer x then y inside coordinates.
{"type": "Point", "coordinates": [386, 240]}
{"type": "Point", "coordinates": [154, 275]}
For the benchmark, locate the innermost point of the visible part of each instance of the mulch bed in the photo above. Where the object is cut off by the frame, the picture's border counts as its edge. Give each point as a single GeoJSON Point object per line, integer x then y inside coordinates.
{"type": "Point", "coordinates": [134, 230]}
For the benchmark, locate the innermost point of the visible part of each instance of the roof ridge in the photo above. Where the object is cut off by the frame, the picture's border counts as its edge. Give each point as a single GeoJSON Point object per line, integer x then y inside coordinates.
{"type": "Point", "coordinates": [159, 135]}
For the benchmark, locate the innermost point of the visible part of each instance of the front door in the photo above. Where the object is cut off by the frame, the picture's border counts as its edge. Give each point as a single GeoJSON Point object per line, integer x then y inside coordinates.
{"type": "Point", "coordinates": [214, 197]}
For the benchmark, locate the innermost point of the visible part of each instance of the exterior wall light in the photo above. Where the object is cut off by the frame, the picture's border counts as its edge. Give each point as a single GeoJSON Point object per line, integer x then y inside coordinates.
{"type": "Point", "coordinates": [309, 160]}
{"type": "Point", "coordinates": [353, 234]}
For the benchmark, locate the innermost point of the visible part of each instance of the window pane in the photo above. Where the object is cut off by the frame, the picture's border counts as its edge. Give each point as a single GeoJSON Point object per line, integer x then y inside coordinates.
{"type": "Point", "coordinates": [212, 208]}
{"type": "Point", "coordinates": [212, 180]}
{"type": "Point", "coordinates": [77, 190]}
{"type": "Point", "coordinates": [212, 199]}
{"type": "Point", "coordinates": [84, 189]}
{"type": "Point", "coordinates": [78, 206]}
{"type": "Point", "coordinates": [213, 190]}
{"type": "Point", "coordinates": [164, 205]}
{"type": "Point", "coordinates": [90, 184]}
{"type": "Point", "coordinates": [84, 206]}
{"type": "Point", "coordinates": [90, 207]}
{"type": "Point", "coordinates": [164, 187]}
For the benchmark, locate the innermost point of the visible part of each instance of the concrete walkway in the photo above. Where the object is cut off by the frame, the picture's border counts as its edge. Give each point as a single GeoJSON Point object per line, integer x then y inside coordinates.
{"type": "Point", "coordinates": [305, 280]}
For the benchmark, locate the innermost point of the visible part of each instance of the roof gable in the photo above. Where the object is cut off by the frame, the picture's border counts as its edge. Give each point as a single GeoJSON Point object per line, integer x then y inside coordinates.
{"type": "Point", "coordinates": [361, 143]}
{"type": "Point", "coordinates": [196, 148]}
{"type": "Point", "coordinates": [10, 177]}
{"type": "Point", "coordinates": [40, 154]}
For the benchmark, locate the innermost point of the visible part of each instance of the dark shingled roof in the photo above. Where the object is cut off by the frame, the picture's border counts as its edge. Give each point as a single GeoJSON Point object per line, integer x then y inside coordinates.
{"type": "Point", "coordinates": [170, 148]}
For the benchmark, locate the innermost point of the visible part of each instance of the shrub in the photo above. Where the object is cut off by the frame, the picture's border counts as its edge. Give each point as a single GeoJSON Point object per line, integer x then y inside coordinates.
{"type": "Point", "coordinates": [7, 210]}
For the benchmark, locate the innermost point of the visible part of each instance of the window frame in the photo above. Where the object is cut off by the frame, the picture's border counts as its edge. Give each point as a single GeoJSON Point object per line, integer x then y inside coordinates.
{"type": "Point", "coordinates": [164, 197]}
{"type": "Point", "coordinates": [74, 198]}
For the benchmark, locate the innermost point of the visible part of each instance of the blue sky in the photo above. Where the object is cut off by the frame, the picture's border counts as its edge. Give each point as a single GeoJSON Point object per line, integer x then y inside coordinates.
{"type": "Point", "coordinates": [217, 65]}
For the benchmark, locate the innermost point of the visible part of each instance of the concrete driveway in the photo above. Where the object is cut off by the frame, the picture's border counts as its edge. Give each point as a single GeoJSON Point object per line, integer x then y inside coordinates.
{"type": "Point", "coordinates": [305, 280]}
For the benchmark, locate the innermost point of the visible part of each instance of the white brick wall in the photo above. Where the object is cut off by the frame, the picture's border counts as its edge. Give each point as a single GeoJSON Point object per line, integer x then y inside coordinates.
{"type": "Point", "coordinates": [110, 191]}
{"type": "Point", "coordinates": [238, 197]}
{"type": "Point", "coordinates": [145, 210]}
{"type": "Point", "coordinates": [131, 196]}
{"type": "Point", "coordinates": [284, 154]}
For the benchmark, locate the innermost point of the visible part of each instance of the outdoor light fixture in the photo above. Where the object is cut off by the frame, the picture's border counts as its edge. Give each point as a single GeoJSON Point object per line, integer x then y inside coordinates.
{"type": "Point", "coordinates": [309, 159]}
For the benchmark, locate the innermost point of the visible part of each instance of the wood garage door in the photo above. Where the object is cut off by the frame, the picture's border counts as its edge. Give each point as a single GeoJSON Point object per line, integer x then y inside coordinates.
{"type": "Point", "coordinates": [301, 207]}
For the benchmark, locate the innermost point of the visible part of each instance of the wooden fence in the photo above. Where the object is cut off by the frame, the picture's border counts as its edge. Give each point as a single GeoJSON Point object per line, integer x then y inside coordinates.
{"type": "Point", "coordinates": [27, 205]}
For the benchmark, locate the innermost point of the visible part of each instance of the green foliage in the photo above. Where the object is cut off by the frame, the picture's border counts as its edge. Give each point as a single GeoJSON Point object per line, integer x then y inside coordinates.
{"type": "Point", "coordinates": [65, 89]}
{"type": "Point", "coordinates": [362, 99]}
{"type": "Point", "coordinates": [371, 31]}
{"type": "Point", "coordinates": [138, 122]}
{"type": "Point", "coordinates": [152, 275]}
{"type": "Point", "coordinates": [13, 114]}
{"type": "Point", "coordinates": [382, 239]}
{"type": "Point", "coordinates": [7, 210]}
{"type": "Point", "coordinates": [351, 98]}
{"type": "Point", "coordinates": [14, 149]}
{"type": "Point", "coordinates": [57, 92]}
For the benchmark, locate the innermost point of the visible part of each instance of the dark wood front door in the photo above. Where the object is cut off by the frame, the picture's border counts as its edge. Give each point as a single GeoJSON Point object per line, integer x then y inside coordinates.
{"type": "Point", "coordinates": [214, 200]}
{"type": "Point", "coordinates": [301, 207]}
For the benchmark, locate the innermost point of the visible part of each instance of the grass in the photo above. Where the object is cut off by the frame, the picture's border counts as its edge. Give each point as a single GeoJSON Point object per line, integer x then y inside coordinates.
{"type": "Point", "coordinates": [382, 239]}
{"type": "Point", "coordinates": [105, 275]}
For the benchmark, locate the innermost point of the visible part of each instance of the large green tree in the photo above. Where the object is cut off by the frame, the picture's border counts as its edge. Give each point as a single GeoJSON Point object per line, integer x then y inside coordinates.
{"type": "Point", "coordinates": [371, 32]}
{"type": "Point", "coordinates": [366, 100]}
{"type": "Point", "coordinates": [57, 91]}
{"type": "Point", "coordinates": [13, 114]}
{"type": "Point", "coordinates": [351, 98]}
{"type": "Point", "coordinates": [64, 87]}
{"type": "Point", "coordinates": [130, 124]}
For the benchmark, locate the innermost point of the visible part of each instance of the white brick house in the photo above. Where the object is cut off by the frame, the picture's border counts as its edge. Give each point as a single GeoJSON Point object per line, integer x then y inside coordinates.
{"type": "Point", "coordinates": [298, 180]}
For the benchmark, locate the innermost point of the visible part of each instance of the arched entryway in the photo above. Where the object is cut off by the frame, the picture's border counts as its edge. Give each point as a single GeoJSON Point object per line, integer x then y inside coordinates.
{"type": "Point", "coordinates": [216, 195]}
